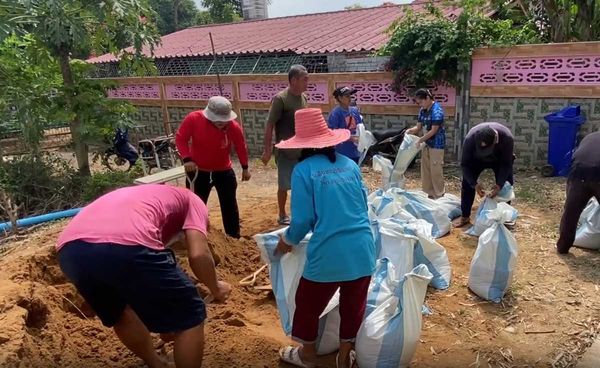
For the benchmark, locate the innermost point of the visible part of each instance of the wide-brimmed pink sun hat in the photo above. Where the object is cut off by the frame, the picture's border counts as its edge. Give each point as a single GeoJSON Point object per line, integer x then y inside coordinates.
{"type": "Point", "coordinates": [312, 132]}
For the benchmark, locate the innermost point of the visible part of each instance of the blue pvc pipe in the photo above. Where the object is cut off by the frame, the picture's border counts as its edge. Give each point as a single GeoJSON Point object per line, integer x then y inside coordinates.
{"type": "Point", "coordinates": [29, 221]}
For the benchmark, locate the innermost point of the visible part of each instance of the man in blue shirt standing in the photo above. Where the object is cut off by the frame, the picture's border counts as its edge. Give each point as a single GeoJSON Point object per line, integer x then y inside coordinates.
{"type": "Point", "coordinates": [431, 116]}
{"type": "Point", "coordinates": [345, 116]}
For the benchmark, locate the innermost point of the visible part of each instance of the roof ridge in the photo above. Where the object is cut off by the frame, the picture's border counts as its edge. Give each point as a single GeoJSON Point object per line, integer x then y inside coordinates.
{"type": "Point", "coordinates": [312, 14]}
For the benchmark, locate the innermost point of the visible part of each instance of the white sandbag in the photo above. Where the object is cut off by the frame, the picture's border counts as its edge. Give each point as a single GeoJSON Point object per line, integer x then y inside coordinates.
{"type": "Point", "coordinates": [389, 179]}
{"type": "Point", "coordinates": [390, 334]}
{"type": "Point", "coordinates": [407, 244]}
{"type": "Point", "coordinates": [483, 222]}
{"type": "Point", "coordinates": [285, 272]}
{"type": "Point", "coordinates": [451, 204]}
{"type": "Point", "coordinates": [382, 205]}
{"type": "Point", "coordinates": [430, 253]}
{"type": "Point", "coordinates": [424, 208]}
{"type": "Point", "coordinates": [407, 152]}
{"type": "Point", "coordinates": [588, 232]}
{"type": "Point", "coordinates": [506, 194]}
{"type": "Point", "coordinates": [384, 282]}
{"type": "Point", "coordinates": [394, 244]}
{"type": "Point", "coordinates": [365, 141]}
{"type": "Point", "coordinates": [328, 340]}
{"type": "Point", "coordinates": [495, 260]}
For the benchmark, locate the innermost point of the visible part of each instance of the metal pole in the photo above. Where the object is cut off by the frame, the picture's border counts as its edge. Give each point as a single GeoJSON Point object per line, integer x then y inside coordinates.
{"type": "Point", "coordinates": [214, 61]}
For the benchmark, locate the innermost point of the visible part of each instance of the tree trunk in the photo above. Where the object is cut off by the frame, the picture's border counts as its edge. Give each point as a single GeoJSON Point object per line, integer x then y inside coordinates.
{"type": "Point", "coordinates": [584, 21]}
{"type": "Point", "coordinates": [176, 14]}
{"type": "Point", "coordinates": [81, 149]}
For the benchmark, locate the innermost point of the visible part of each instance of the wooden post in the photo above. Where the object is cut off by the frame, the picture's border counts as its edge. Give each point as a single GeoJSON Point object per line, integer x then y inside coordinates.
{"type": "Point", "coordinates": [165, 110]}
{"type": "Point", "coordinates": [463, 111]}
{"type": "Point", "coordinates": [331, 87]}
{"type": "Point", "coordinates": [235, 85]}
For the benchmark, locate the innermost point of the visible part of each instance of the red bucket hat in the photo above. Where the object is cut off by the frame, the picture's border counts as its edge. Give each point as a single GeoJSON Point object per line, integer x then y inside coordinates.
{"type": "Point", "coordinates": [312, 132]}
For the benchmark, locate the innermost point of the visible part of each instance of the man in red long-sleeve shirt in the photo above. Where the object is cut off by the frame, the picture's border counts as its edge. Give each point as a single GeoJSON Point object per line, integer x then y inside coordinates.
{"type": "Point", "coordinates": [204, 141]}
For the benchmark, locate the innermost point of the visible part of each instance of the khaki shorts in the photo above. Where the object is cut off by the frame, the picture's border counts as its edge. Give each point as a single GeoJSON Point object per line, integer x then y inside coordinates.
{"type": "Point", "coordinates": [286, 160]}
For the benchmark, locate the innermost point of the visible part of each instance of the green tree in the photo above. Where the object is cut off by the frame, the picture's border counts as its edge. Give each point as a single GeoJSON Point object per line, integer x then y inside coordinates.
{"type": "Point", "coordinates": [354, 6]}
{"type": "Point", "coordinates": [173, 15]}
{"type": "Point", "coordinates": [29, 82]}
{"type": "Point", "coordinates": [425, 48]}
{"type": "Point", "coordinates": [555, 20]}
{"type": "Point", "coordinates": [221, 11]}
{"type": "Point", "coordinates": [65, 27]}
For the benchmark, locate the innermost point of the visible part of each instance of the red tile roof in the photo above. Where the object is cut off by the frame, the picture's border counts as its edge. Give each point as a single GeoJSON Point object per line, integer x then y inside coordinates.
{"type": "Point", "coordinates": [341, 31]}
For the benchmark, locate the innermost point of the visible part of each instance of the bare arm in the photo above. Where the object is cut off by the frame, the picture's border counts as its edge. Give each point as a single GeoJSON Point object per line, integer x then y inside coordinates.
{"type": "Point", "coordinates": [269, 136]}
{"type": "Point", "coordinates": [203, 265]}
{"type": "Point", "coordinates": [416, 129]}
{"type": "Point", "coordinates": [274, 115]}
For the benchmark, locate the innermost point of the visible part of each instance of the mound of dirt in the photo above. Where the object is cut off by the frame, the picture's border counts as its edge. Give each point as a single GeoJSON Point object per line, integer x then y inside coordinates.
{"type": "Point", "coordinates": [45, 322]}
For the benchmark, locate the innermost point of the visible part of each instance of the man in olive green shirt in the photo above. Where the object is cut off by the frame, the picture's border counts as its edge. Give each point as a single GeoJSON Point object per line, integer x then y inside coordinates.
{"type": "Point", "coordinates": [281, 118]}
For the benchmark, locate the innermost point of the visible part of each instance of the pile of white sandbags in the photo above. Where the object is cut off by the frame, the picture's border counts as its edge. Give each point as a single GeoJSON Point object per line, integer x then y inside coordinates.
{"type": "Point", "coordinates": [405, 226]}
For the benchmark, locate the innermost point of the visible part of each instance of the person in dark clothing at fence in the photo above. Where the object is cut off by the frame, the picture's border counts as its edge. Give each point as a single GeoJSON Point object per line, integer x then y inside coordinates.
{"type": "Point", "coordinates": [207, 162]}
{"type": "Point", "coordinates": [486, 146]}
{"type": "Point", "coordinates": [583, 184]}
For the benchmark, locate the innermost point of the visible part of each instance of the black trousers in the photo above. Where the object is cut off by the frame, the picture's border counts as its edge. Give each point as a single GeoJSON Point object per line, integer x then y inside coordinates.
{"type": "Point", "coordinates": [467, 193]}
{"type": "Point", "coordinates": [579, 192]}
{"type": "Point", "coordinates": [226, 184]}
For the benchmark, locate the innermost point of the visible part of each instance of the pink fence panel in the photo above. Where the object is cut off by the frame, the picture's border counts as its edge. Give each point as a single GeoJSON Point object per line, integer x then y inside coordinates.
{"type": "Point", "coordinates": [136, 92]}
{"type": "Point", "coordinates": [381, 93]}
{"type": "Point", "coordinates": [528, 71]}
{"type": "Point", "coordinates": [197, 91]}
{"type": "Point", "coordinates": [264, 91]}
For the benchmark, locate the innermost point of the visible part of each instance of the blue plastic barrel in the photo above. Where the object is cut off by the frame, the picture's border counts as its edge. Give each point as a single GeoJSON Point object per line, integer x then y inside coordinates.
{"type": "Point", "coordinates": [562, 137]}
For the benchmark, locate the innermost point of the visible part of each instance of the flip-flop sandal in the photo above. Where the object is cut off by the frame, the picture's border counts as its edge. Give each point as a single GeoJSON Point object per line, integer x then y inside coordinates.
{"type": "Point", "coordinates": [291, 355]}
{"type": "Point", "coordinates": [284, 220]}
{"type": "Point", "coordinates": [352, 359]}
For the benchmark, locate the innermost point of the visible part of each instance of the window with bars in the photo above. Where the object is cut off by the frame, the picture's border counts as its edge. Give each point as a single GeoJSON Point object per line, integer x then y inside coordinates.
{"type": "Point", "coordinates": [247, 64]}
{"type": "Point", "coordinates": [315, 63]}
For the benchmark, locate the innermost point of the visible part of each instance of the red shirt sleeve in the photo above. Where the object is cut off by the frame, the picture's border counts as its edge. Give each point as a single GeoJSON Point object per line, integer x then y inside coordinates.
{"type": "Point", "coordinates": [182, 138]}
{"type": "Point", "coordinates": [237, 136]}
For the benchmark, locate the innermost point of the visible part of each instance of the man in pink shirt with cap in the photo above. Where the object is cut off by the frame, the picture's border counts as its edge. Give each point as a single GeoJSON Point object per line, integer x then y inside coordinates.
{"type": "Point", "coordinates": [114, 253]}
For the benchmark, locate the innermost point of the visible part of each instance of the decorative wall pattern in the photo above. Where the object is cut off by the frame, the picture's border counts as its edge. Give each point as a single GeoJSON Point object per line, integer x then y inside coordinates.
{"type": "Point", "coordinates": [536, 71]}
{"type": "Point", "coordinates": [149, 120]}
{"type": "Point", "coordinates": [136, 92]}
{"type": "Point", "coordinates": [197, 91]}
{"type": "Point", "coordinates": [525, 118]}
{"type": "Point", "coordinates": [254, 128]}
{"type": "Point", "coordinates": [264, 92]}
{"type": "Point", "coordinates": [253, 122]}
{"type": "Point", "coordinates": [381, 93]}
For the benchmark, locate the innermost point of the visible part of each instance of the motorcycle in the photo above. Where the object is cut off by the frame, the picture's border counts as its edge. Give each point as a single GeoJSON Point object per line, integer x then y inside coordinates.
{"type": "Point", "coordinates": [156, 153]}
{"type": "Point", "coordinates": [159, 153]}
{"type": "Point", "coordinates": [122, 155]}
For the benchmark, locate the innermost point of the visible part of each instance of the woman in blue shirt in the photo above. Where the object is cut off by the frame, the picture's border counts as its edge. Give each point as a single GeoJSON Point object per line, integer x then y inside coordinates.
{"type": "Point", "coordinates": [345, 116]}
{"type": "Point", "coordinates": [329, 200]}
{"type": "Point", "coordinates": [431, 116]}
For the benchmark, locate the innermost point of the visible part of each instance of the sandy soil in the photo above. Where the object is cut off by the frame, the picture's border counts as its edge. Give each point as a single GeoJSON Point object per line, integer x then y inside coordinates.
{"type": "Point", "coordinates": [548, 318]}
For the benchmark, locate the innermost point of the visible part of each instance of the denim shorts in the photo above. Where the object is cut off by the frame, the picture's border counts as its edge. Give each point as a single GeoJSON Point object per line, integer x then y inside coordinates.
{"type": "Point", "coordinates": [111, 276]}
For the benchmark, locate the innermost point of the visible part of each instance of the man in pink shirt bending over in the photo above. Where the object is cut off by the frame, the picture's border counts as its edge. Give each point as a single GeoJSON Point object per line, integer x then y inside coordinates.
{"type": "Point", "coordinates": [114, 253]}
